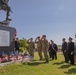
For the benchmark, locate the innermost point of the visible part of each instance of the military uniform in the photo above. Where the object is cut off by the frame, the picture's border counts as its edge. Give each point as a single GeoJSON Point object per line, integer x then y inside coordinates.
{"type": "Point", "coordinates": [45, 46]}
{"type": "Point", "coordinates": [31, 48]}
{"type": "Point", "coordinates": [39, 48]}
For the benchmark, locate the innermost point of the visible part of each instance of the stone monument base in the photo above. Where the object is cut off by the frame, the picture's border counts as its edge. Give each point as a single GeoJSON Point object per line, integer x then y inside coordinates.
{"type": "Point", "coordinates": [7, 36]}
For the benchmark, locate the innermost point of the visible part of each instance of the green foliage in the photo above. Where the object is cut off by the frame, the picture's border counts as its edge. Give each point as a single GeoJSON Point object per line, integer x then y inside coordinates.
{"type": "Point", "coordinates": [23, 44]}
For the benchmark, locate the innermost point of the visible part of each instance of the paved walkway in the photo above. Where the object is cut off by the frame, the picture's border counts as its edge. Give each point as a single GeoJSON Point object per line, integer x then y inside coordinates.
{"type": "Point", "coordinates": [6, 63]}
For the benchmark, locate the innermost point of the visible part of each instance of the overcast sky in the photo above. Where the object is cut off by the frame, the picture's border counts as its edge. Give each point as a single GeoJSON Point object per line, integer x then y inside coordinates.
{"type": "Point", "coordinates": [54, 18]}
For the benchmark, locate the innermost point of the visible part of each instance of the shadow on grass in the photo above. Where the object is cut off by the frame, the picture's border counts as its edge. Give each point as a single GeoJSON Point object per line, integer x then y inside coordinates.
{"type": "Point", "coordinates": [64, 66]}
{"type": "Point", "coordinates": [71, 71]}
{"type": "Point", "coordinates": [59, 63]}
{"type": "Point", "coordinates": [33, 63]}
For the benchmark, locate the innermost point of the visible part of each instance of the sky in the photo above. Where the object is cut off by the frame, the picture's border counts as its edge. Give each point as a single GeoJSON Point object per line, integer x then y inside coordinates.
{"type": "Point", "coordinates": [54, 18]}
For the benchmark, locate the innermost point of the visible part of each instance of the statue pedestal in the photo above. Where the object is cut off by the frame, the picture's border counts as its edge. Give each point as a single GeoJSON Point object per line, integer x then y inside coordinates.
{"type": "Point", "coordinates": [7, 36]}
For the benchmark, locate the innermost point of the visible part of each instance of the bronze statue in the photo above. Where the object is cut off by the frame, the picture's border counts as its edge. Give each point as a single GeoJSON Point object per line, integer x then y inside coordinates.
{"type": "Point", "coordinates": [4, 6]}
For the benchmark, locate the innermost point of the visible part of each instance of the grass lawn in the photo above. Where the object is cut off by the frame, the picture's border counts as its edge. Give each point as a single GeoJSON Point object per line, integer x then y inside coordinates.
{"type": "Point", "coordinates": [55, 67]}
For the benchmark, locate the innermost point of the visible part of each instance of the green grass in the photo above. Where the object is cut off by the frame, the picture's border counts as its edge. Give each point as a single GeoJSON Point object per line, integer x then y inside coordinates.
{"type": "Point", "coordinates": [55, 67]}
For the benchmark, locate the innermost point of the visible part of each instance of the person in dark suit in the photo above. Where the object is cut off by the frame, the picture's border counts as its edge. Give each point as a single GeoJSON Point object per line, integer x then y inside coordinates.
{"type": "Point", "coordinates": [50, 54]}
{"type": "Point", "coordinates": [53, 48]}
{"type": "Point", "coordinates": [71, 51]}
{"type": "Point", "coordinates": [17, 46]}
{"type": "Point", "coordinates": [64, 49]}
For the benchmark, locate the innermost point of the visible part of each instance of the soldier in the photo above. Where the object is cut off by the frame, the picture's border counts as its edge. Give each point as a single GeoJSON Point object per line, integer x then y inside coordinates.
{"type": "Point", "coordinates": [31, 47]}
{"type": "Point", "coordinates": [39, 47]}
{"type": "Point", "coordinates": [45, 46]}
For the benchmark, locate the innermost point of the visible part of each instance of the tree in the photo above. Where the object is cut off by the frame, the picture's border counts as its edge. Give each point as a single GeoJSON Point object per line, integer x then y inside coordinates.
{"type": "Point", "coordinates": [23, 44]}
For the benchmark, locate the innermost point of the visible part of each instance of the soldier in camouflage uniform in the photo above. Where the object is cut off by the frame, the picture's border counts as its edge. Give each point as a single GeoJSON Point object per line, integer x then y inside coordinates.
{"type": "Point", "coordinates": [45, 46]}
{"type": "Point", "coordinates": [31, 47]}
{"type": "Point", "coordinates": [39, 47]}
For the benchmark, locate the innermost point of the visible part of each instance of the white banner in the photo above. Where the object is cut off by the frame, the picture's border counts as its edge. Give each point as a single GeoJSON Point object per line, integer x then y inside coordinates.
{"type": "Point", "coordinates": [4, 38]}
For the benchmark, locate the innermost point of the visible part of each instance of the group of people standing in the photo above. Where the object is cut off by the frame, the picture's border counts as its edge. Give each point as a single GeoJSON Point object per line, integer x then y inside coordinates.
{"type": "Point", "coordinates": [43, 46]}
{"type": "Point", "coordinates": [68, 50]}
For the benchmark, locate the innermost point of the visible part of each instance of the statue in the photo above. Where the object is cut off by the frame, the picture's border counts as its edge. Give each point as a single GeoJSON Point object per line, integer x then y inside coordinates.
{"type": "Point", "coordinates": [4, 6]}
